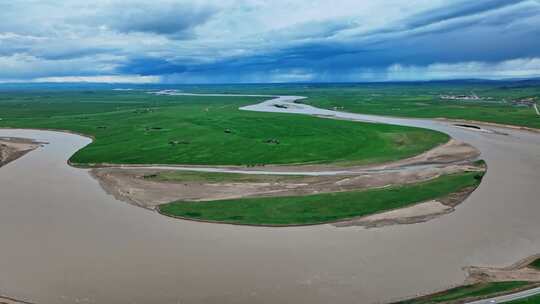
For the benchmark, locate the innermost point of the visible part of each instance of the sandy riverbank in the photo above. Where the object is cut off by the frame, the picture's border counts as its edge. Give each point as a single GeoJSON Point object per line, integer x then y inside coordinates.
{"type": "Point", "coordinates": [134, 186]}
{"type": "Point", "coordinates": [519, 271]}
{"type": "Point", "coordinates": [418, 213]}
{"type": "Point", "coordinates": [14, 148]}
{"type": "Point", "coordinates": [8, 300]}
{"type": "Point", "coordinates": [488, 124]}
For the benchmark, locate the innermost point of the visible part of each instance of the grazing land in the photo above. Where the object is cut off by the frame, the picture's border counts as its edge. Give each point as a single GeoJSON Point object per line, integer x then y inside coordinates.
{"type": "Point", "coordinates": [497, 102]}
{"type": "Point", "coordinates": [319, 208]}
{"type": "Point", "coordinates": [134, 127]}
{"type": "Point", "coordinates": [426, 102]}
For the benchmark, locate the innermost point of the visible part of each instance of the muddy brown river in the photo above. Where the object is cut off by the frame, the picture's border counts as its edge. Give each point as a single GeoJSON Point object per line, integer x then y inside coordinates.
{"type": "Point", "coordinates": [64, 240]}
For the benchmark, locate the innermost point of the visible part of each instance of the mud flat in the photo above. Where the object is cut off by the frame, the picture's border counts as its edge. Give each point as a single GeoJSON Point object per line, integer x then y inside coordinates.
{"type": "Point", "coordinates": [418, 213]}
{"type": "Point", "coordinates": [128, 254]}
{"type": "Point", "coordinates": [133, 185]}
{"type": "Point", "coordinates": [144, 187]}
{"type": "Point", "coordinates": [147, 188]}
{"type": "Point", "coordinates": [488, 124]}
{"type": "Point", "coordinates": [13, 148]}
{"type": "Point", "coordinates": [520, 271]}
{"type": "Point", "coordinates": [8, 300]}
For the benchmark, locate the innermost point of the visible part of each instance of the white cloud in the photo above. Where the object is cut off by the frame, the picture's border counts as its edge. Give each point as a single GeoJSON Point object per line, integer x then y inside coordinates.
{"type": "Point", "coordinates": [236, 27]}
{"type": "Point", "coordinates": [22, 65]}
{"type": "Point", "coordinates": [263, 39]}
{"type": "Point", "coordinates": [515, 68]}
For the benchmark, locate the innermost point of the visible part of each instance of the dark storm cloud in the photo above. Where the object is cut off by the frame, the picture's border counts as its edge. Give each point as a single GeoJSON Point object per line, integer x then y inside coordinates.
{"type": "Point", "coordinates": [247, 40]}
{"type": "Point", "coordinates": [177, 20]}
{"type": "Point", "coordinates": [151, 66]}
{"type": "Point", "coordinates": [458, 10]}
{"type": "Point", "coordinates": [471, 33]}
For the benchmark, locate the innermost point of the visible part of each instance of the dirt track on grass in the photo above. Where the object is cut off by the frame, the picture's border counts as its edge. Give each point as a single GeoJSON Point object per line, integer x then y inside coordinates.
{"type": "Point", "coordinates": [130, 184]}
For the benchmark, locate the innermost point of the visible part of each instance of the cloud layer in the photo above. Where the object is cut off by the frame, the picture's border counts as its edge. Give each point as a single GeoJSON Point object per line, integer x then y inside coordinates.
{"type": "Point", "coordinates": [268, 41]}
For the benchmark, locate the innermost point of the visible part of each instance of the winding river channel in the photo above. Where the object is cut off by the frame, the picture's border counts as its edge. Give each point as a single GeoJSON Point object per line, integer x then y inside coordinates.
{"type": "Point", "coordinates": [64, 240]}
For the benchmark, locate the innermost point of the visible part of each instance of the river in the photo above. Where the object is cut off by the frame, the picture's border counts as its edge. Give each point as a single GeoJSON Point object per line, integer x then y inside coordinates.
{"type": "Point", "coordinates": [64, 240]}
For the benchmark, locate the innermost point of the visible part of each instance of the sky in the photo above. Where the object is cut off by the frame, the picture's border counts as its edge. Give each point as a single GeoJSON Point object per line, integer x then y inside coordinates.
{"type": "Point", "coordinates": [267, 41]}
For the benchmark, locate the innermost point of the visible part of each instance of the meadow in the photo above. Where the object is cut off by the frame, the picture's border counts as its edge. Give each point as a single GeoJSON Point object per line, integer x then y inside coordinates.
{"type": "Point", "coordinates": [319, 208]}
{"type": "Point", "coordinates": [530, 300]}
{"type": "Point", "coordinates": [416, 99]}
{"type": "Point", "coordinates": [134, 127]}
{"type": "Point", "coordinates": [425, 102]}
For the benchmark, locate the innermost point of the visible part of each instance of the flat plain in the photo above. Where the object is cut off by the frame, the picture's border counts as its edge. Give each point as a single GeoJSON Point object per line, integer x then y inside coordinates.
{"type": "Point", "coordinates": [140, 128]}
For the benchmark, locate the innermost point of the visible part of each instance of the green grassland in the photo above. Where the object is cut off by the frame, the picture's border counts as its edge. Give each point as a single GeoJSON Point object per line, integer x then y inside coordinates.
{"type": "Point", "coordinates": [138, 128]}
{"type": "Point", "coordinates": [134, 127]}
{"type": "Point", "coordinates": [430, 106]}
{"type": "Point", "coordinates": [529, 300]}
{"type": "Point", "coordinates": [417, 99]}
{"type": "Point", "coordinates": [319, 208]}
{"type": "Point", "coordinates": [424, 102]}
{"type": "Point", "coordinates": [480, 290]}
